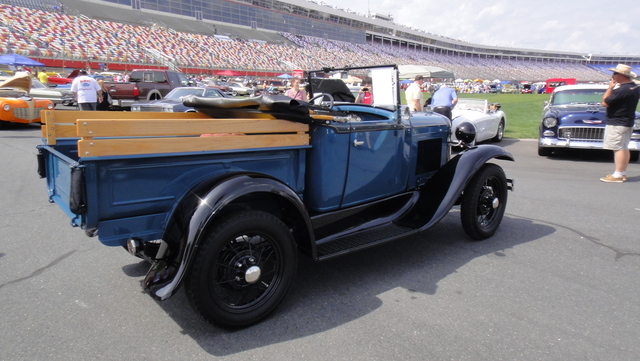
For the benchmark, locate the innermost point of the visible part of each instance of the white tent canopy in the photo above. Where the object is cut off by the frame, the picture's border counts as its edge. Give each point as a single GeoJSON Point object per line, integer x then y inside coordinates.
{"type": "Point", "coordinates": [410, 72]}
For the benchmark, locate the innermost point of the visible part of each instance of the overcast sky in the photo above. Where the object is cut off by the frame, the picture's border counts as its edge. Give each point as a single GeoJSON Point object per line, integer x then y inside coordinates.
{"type": "Point", "coordinates": [584, 26]}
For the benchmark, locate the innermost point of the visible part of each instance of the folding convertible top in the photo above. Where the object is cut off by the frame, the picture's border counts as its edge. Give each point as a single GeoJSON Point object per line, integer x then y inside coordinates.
{"type": "Point", "coordinates": [278, 106]}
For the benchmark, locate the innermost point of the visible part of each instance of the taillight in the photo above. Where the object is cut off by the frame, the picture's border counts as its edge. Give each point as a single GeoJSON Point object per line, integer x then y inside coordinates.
{"type": "Point", "coordinates": [136, 91]}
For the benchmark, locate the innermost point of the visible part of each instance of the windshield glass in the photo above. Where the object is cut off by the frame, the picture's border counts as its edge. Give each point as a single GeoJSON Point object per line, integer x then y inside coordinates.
{"type": "Point", "coordinates": [36, 84]}
{"type": "Point", "coordinates": [479, 105]}
{"type": "Point", "coordinates": [578, 96]}
{"type": "Point", "coordinates": [376, 86]}
{"type": "Point", "coordinates": [179, 93]}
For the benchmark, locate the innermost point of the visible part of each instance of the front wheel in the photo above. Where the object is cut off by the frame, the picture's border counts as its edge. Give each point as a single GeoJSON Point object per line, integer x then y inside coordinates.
{"type": "Point", "coordinates": [243, 269]}
{"type": "Point", "coordinates": [484, 202]}
{"type": "Point", "coordinates": [544, 152]}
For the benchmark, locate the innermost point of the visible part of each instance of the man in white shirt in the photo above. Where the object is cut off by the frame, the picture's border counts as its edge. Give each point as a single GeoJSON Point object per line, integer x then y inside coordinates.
{"type": "Point", "coordinates": [413, 94]}
{"type": "Point", "coordinates": [86, 91]}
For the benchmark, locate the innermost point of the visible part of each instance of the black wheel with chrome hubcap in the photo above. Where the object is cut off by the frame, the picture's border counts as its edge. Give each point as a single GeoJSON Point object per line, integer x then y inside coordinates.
{"type": "Point", "coordinates": [484, 201]}
{"type": "Point", "coordinates": [243, 269]}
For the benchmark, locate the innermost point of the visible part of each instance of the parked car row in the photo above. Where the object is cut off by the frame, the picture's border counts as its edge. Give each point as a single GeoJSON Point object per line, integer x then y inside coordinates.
{"type": "Point", "coordinates": [37, 90]}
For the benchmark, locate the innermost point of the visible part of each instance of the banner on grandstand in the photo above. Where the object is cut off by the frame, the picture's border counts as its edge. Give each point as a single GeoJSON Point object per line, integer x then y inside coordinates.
{"type": "Point", "coordinates": [297, 73]}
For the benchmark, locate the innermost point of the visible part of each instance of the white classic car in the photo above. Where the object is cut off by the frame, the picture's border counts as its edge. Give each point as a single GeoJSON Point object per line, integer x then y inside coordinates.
{"type": "Point", "coordinates": [488, 119]}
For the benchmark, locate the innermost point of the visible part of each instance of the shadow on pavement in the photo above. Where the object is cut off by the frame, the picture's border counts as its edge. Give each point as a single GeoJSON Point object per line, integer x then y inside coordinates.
{"type": "Point", "coordinates": [329, 294]}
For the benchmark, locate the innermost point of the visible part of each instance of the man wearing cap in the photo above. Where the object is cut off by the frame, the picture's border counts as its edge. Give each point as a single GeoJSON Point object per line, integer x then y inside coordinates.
{"type": "Point", "coordinates": [413, 94]}
{"type": "Point", "coordinates": [86, 91]}
{"type": "Point", "coordinates": [621, 100]}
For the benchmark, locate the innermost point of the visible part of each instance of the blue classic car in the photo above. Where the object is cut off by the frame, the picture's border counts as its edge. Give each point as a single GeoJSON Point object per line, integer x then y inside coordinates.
{"type": "Point", "coordinates": [575, 118]}
{"type": "Point", "coordinates": [223, 200]}
{"type": "Point", "coordinates": [172, 102]}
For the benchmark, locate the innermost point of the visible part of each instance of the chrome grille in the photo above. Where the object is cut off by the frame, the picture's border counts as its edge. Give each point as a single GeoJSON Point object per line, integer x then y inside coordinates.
{"type": "Point", "coordinates": [581, 133]}
{"type": "Point", "coordinates": [27, 113]}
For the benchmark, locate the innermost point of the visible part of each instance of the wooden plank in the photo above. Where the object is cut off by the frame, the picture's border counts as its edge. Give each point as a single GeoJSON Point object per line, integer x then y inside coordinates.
{"type": "Point", "coordinates": [48, 127]}
{"type": "Point", "coordinates": [70, 116]}
{"type": "Point", "coordinates": [53, 131]}
{"type": "Point", "coordinates": [164, 127]}
{"type": "Point", "coordinates": [131, 146]}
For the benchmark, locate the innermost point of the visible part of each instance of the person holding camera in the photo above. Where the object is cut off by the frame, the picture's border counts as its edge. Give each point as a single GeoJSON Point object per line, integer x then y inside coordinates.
{"type": "Point", "coordinates": [365, 96]}
{"type": "Point", "coordinates": [620, 99]}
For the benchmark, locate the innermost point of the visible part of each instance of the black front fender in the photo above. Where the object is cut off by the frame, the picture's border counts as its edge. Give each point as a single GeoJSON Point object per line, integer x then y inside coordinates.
{"type": "Point", "coordinates": [443, 189]}
{"type": "Point", "coordinates": [189, 223]}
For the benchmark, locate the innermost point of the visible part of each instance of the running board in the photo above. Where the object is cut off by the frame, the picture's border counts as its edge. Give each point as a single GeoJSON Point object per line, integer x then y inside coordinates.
{"type": "Point", "coordinates": [360, 240]}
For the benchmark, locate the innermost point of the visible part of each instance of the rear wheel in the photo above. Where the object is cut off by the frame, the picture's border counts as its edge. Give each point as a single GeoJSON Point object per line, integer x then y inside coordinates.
{"type": "Point", "coordinates": [500, 132]}
{"type": "Point", "coordinates": [484, 202]}
{"type": "Point", "coordinates": [243, 269]}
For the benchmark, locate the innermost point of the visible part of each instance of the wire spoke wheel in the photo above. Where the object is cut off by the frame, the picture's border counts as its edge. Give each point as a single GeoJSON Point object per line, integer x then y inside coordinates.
{"type": "Point", "coordinates": [246, 269]}
{"type": "Point", "coordinates": [243, 269]}
{"type": "Point", "coordinates": [484, 202]}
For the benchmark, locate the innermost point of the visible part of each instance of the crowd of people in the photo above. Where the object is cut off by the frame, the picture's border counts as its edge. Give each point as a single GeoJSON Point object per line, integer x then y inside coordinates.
{"type": "Point", "coordinates": [58, 35]}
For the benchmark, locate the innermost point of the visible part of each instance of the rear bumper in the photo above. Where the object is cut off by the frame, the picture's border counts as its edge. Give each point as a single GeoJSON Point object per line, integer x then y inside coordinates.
{"type": "Point", "coordinates": [123, 103]}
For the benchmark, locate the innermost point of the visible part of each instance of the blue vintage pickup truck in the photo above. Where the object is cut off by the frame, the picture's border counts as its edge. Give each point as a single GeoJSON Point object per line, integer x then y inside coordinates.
{"type": "Point", "coordinates": [222, 201]}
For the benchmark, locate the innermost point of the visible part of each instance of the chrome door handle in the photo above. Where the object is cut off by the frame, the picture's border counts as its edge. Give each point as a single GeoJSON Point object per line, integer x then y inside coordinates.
{"type": "Point", "coordinates": [357, 143]}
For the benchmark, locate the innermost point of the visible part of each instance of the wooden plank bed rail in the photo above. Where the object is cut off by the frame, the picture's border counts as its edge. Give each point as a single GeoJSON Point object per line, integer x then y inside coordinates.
{"type": "Point", "coordinates": [130, 133]}
{"type": "Point", "coordinates": [62, 123]}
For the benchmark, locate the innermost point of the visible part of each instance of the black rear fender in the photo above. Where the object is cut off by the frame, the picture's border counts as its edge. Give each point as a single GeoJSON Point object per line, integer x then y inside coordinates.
{"type": "Point", "coordinates": [191, 220]}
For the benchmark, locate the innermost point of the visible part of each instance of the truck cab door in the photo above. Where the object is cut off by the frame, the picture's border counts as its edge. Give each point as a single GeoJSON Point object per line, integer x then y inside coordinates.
{"type": "Point", "coordinates": [377, 164]}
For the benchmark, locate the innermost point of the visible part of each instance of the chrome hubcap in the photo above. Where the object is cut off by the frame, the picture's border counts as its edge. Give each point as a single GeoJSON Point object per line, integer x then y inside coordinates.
{"type": "Point", "coordinates": [252, 274]}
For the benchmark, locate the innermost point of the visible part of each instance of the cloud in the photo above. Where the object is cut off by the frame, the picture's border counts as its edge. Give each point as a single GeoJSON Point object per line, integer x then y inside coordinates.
{"type": "Point", "coordinates": [561, 25]}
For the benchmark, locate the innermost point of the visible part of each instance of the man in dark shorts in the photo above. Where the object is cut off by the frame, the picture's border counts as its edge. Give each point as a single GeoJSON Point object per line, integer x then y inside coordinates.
{"type": "Point", "coordinates": [621, 100]}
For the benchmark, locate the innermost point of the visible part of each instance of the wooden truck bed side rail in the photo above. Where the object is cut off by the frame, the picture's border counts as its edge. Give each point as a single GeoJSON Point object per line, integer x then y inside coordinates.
{"type": "Point", "coordinates": [111, 133]}
{"type": "Point", "coordinates": [62, 123]}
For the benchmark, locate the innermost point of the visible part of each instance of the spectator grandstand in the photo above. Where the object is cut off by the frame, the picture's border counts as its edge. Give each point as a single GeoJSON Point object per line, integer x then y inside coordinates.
{"type": "Point", "coordinates": [116, 34]}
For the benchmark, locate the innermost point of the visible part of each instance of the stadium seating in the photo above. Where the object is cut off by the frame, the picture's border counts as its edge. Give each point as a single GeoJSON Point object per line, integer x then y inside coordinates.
{"type": "Point", "coordinates": [40, 28]}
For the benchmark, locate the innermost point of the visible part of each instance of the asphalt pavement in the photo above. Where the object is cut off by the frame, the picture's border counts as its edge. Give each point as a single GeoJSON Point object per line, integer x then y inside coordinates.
{"type": "Point", "coordinates": [558, 281]}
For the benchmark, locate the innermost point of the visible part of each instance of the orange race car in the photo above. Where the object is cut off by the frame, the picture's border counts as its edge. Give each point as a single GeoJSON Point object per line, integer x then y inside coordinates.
{"type": "Point", "coordinates": [16, 106]}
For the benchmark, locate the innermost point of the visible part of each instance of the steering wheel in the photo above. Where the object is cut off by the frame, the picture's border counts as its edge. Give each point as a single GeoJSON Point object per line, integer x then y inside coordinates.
{"type": "Point", "coordinates": [323, 104]}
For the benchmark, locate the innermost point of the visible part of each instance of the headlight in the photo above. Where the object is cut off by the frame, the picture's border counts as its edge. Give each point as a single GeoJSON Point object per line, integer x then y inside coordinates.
{"type": "Point", "coordinates": [50, 106]}
{"type": "Point", "coordinates": [135, 108]}
{"type": "Point", "coordinates": [636, 124]}
{"type": "Point", "coordinates": [6, 107]}
{"type": "Point", "coordinates": [550, 122]}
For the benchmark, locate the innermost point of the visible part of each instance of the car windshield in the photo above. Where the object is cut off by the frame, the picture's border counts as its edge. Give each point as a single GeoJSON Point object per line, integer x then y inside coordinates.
{"type": "Point", "coordinates": [178, 94]}
{"type": "Point", "coordinates": [578, 96]}
{"type": "Point", "coordinates": [36, 84]}
{"type": "Point", "coordinates": [479, 105]}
